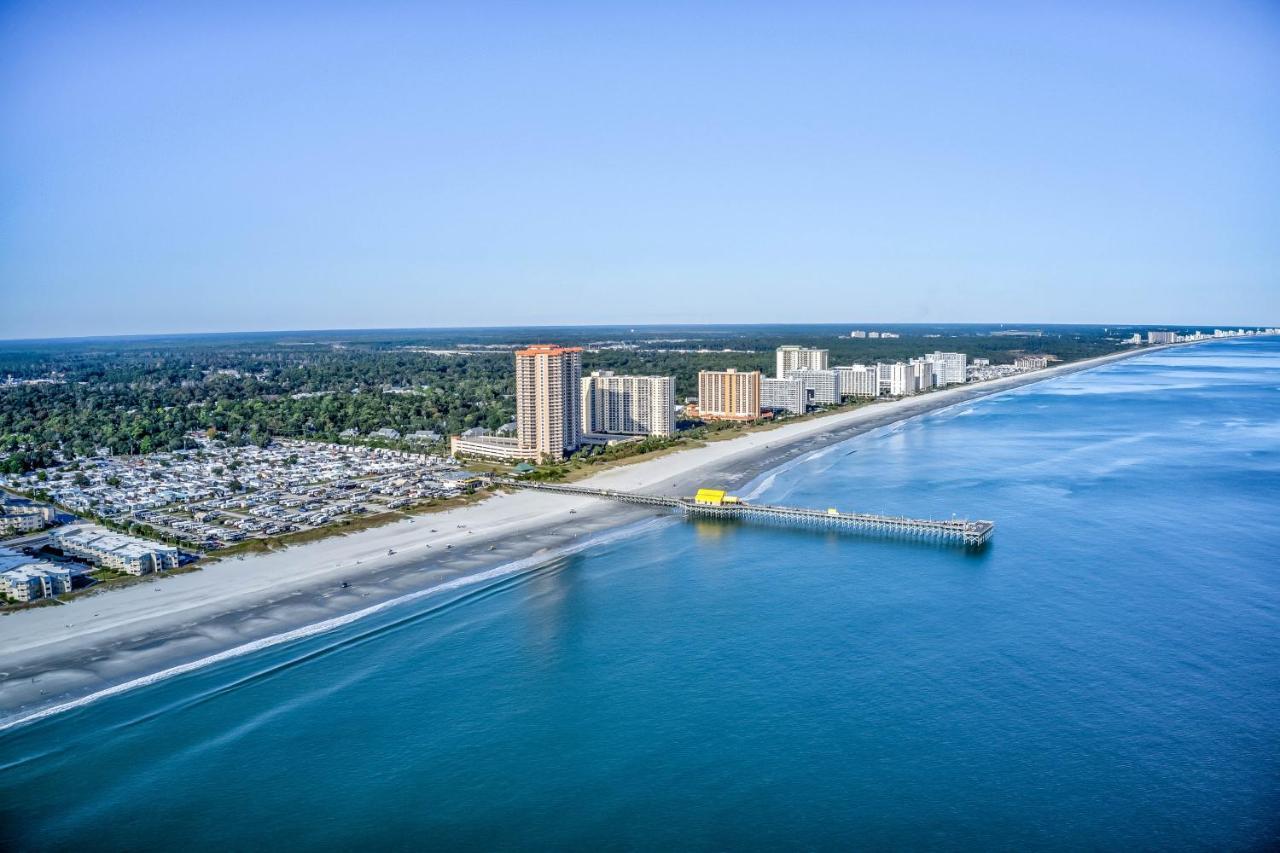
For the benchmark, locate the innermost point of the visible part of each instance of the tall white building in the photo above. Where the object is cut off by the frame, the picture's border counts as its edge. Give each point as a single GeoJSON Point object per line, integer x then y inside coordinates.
{"type": "Point", "coordinates": [884, 379]}
{"type": "Point", "coordinates": [787, 395]}
{"type": "Point", "coordinates": [629, 405]}
{"type": "Point", "coordinates": [1161, 337]}
{"type": "Point", "coordinates": [729, 395]}
{"type": "Point", "coordinates": [902, 379]}
{"type": "Point", "coordinates": [799, 358]}
{"type": "Point", "coordinates": [548, 410]}
{"type": "Point", "coordinates": [896, 379]}
{"type": "Point", "coordinates": [857, 380]}
{"type": "Point", "coordinates": [950, 367]}
{"type": "Point", "coordinates": [822, 387]}
{"type": "Point", "coordinates": [926, 374]}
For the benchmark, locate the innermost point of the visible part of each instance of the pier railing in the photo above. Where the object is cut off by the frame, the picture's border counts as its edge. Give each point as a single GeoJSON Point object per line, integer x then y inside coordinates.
{"type": "Point", "coordinates": [972, 534]}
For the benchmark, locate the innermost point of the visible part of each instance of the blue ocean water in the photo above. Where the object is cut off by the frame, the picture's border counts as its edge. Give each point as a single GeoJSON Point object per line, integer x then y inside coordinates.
{"type": "Point", "coordinates": [1105, 675]}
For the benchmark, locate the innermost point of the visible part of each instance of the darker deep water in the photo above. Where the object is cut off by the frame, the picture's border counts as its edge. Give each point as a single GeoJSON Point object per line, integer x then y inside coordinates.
{"type": "Point", "coordinates": [1104, 675]}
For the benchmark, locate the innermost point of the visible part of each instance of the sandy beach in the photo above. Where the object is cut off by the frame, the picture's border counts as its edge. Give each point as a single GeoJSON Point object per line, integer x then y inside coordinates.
{"type": "Point", "coordinates": [55, 655]}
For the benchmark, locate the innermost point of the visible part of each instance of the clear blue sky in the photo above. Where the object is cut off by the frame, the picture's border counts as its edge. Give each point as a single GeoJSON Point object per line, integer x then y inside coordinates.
{"type": "Point", "coordinates": [183, 166]}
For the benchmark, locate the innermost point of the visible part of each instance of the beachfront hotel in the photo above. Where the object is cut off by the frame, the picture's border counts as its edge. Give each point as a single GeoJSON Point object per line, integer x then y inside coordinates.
{"type": "Point", "coordinates": [926, 373]}
{"type": "Point", "coordinates": [548, 409]}
{"type": "Point", "coordinates": [627, 405]}
{"type": "Point", "coordinates": [791, 358]}
{"type": "Point", "coordinates": [950, 367]}
{"type": "Point", "coordinates": [727, 395]}
{"type": "Point", "coordinates": [822, 386]}
{"type": "Point", "coordinates": [783, 395]}
{"type": "Point", "coordinates": [857, 380]}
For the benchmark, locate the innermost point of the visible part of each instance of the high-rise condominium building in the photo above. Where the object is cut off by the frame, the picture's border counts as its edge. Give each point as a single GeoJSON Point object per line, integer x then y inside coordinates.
{"type": "Point", "coordinates": [821, 386]}
{"type": "Point", "coordinates": [799, 358]}
{"type": "Point", "coordinates": [784, 395]}
{"type": "Point", "coordinates": [925, 373]}
{"type": "Point", "coordinates": [630, 405]}
{"type": "Point", "coordinates": [950, 367]}
{"type": "Point", "coordinates": [548, 411]}
{"type": "Point", "coordinates": [1162, 337]}
{"type": "Point", "coordinates": [897, 379]}
{"type": "Point", "coordinates": [729, 395]}
{"type": "Point", "coordinates": [857, 380]}
{"type": "Point", "coordinates": [902, 379]}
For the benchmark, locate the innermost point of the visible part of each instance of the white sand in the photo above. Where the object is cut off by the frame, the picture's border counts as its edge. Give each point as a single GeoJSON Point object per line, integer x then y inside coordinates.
{"type": "Point", "coordinates": [234, 584]}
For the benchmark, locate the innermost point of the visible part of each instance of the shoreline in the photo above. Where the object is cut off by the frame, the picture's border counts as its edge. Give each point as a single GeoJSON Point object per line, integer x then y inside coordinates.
{"type": "Point", "coordinates": [62, 657]}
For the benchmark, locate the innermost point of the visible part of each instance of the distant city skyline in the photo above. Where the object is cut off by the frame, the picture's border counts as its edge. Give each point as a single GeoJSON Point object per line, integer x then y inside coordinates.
{"type": "Point", "coordinates": [232, 167]}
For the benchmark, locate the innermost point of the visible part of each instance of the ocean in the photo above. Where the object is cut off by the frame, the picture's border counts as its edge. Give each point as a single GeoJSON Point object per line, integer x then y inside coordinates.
{"type": "Point", "coordinates": [1106, 674]}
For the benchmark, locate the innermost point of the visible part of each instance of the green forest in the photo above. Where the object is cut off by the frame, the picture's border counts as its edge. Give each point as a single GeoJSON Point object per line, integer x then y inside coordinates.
{"type": "Point", "coordinates": [139, 395]}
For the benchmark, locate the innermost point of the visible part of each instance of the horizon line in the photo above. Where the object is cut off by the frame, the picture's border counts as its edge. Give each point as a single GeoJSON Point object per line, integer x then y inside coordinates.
{"type": "Point", "coordinates": [503, 327]}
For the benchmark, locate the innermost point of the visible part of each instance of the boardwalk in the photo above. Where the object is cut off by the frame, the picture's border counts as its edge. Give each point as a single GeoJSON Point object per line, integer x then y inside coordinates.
{"type": "Point", "coordinates": [972, 534]}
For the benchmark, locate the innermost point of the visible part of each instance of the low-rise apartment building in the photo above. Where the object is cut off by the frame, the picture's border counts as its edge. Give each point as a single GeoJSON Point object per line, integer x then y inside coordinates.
{"type": "Point", "coordinates": [492, 447]}
{"type": "Point", "coordinates": [17, 516]}
{"type": "Point", "coordinates": [116, 551]}
{"type": "Point", "coordinates": [24, 578]}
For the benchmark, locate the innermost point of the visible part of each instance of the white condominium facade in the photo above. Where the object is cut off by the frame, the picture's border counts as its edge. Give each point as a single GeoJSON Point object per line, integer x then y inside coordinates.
{"type": "Point", "coordinates": [548, 405]}
{"type": "Point", "coordinates": [1162, 337]}
{"type": "Point", "coordinates": [897, 379]}
{"type": "Point", "coordinates": [629, 405]}
{"type": "Point", "coordinates": [926, 373]}
{"type": "Point", "coordinates": [24, 578]}
{"type": "Point", "coordinates": [857, 380]}
{"type": "Point", "coordinates": [786, 395]}
{"type": "Point", "coordinates": [127, 554]}
{"type": "Point", "coordinates": [24, 518]}
{"type": "Point", "coordinates": [1031, 362]}
{"type": "Point", "coordinates": [799, 358]}
{"type": "Point", "coordinates": [950, 367]}
{"type": "Point", "coordinates": [902, 379]}
{"type": "Point", "coordinates": [729, 395]}
{"type": "Point", "coordinates": [822, 386]}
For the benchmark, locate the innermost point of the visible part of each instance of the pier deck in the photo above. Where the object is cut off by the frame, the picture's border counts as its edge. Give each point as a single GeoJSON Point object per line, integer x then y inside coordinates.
{"type": "Point", "coordinates": [971, 534]}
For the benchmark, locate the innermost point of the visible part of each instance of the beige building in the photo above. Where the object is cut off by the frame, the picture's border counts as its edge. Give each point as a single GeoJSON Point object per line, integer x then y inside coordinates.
{"type": "Point", "coordinates": [490, 447]}
{"type": "Point", "coordinates": [627, 405]}
{"type": "Point", "coordinates": [799, 358]}
{"type": "Point", "coordinates": [548, 408]}
{"type": "Point", "coordinates": [729, 395]}
{"type": "Point", "coordinates": [24, 518]}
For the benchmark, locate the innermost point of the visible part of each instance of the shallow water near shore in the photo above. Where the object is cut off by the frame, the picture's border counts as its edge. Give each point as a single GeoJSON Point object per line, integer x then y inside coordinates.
{"type": "Point", "coordinates": [1104, 674]}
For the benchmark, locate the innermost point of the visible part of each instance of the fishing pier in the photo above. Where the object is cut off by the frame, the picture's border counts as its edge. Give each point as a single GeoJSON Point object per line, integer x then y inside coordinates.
{"type": "Point", "coordinates": [713, 503]}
